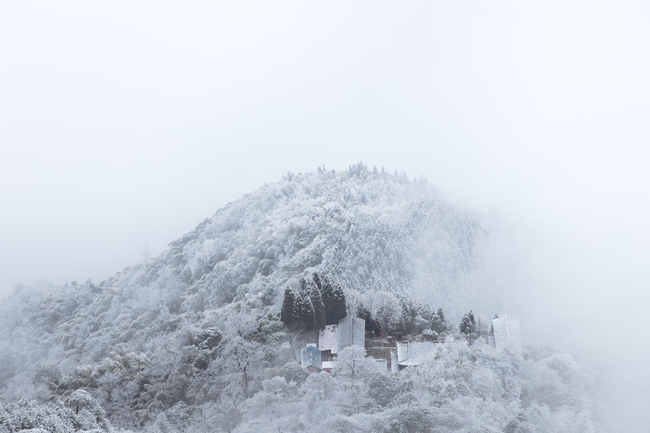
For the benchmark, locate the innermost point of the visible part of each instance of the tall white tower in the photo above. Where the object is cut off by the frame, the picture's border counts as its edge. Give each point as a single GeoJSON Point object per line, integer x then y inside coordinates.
{"type": "Point", "coordinates": [507, 335]}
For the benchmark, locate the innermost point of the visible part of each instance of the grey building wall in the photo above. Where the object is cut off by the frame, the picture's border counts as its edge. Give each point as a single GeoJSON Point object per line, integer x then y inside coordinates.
{"type": "Point", "coordinates": [351, 331]}
{"type": "Point", "coordinates": [507, 335]}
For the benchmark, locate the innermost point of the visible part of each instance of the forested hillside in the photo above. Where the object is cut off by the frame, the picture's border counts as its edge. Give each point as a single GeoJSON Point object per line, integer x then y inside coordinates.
{"type": "Point", "coordinates": [193, 338]}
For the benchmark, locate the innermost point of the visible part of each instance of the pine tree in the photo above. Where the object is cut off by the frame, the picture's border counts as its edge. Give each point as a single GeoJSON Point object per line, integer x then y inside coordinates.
{"type": "Point", "coordinates": [317, 281]}
{"type": "Point", "coordinates": [304, 311]}
{"type": "Point", "coordinates": [410, 310]}
{"type": "Point", "coordinates": [438, 323]}
{"type": "Point", "coordinates": [339, 307]}
{"type": "Point", "coordinates": [316, 300]}
{"type": "Point", "coordinates": [467, 325]}
{"type": "Point", "coordinates": [327, 294]}
{"type": "Point", "coordinates": [372, 325]}
{"type": "Point", "coordinates": [333, 300]}
{"type": "Point", "coordinates": [287, 315]}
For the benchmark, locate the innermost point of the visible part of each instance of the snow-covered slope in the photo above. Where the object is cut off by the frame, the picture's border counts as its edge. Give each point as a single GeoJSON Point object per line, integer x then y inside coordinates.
{"type": "Point", "coordinates": [370, 230]}
{"type": "Point", "coordinates": [178, 329]}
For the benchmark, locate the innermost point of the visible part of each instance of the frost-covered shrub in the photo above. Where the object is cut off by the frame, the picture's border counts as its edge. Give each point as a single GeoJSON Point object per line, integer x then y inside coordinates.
{"type": "Point", "coordinates": [384, 388]}
{"type": "Point", "coordinates": [429, 335]}
{"type": "Point", "coordinates": [209, 338]}
{"type": "Point", "coordinates": [49, 374]}
{"type": "Point", "coordinates": [28, 415]}
{"type": "Point", "coordinates": [87, 410]}
{"type": "Point", "coordinates": [293, 372]}
{"type": "Point", "coordinates": [353, 366]}
{"type": "Point", "coordinates": [416, 419]}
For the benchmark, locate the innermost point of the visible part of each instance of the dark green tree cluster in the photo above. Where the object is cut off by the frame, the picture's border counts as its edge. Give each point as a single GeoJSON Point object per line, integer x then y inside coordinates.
{"type": "Point", "coordinates": [287, 315]}
{"type": "Point", "coordinates": [439, 322]}
{"type": "Point", "coordinates": [416, 317]}
{"type": "Point", "coordinates": [318, 302]}
{"type": "Point", "coordinates": [373, 327]}
{"type": "Point", "coordinates": [467, 324]}
{"type": "Point", "coordinates": [333, 299]}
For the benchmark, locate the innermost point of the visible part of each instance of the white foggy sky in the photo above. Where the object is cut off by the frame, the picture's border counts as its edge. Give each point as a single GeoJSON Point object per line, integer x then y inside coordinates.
{"type": "Point", "coordinates": [125, 123]}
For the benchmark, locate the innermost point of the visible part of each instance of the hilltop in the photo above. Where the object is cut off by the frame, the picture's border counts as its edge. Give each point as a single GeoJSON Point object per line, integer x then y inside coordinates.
{"type": "Point", "coordinates": [167, 344]}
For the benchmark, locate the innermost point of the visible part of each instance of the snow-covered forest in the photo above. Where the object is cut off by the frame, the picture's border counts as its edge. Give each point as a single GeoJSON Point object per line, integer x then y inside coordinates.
{"type": "Point", "coordinates": [199, 338]}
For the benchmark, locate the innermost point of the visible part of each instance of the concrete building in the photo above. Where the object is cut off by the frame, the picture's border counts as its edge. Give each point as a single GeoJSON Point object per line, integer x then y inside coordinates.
{"type": "Point", "coordinates": [412, 353]}
{"type": "Point", "coordinates": [331, 340]}
{"type": "Point", "coordinates": [328, 343]}
{"type": "Point", "coordinates": [351, 331]}
{"type": "Point", "coordinates": [328, 339]}
{"type": "Point", "coordinates": [507, 335]}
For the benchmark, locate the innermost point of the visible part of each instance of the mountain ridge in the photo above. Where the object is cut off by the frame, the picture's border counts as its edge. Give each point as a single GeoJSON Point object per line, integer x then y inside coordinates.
{"type": "Point", "coordinates": [137, 341]}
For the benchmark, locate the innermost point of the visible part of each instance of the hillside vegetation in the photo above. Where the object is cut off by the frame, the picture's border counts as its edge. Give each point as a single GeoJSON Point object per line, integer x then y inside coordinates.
{"type": "Point", "coordinates": [192, 340]}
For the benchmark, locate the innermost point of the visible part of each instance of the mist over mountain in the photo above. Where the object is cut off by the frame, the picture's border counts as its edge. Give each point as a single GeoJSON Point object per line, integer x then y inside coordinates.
{"type": "Point", "coordinates": [193, 336]}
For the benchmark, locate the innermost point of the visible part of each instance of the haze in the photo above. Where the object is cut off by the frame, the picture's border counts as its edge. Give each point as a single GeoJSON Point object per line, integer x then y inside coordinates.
{"type": "Point", "coordinates": [127, 123]}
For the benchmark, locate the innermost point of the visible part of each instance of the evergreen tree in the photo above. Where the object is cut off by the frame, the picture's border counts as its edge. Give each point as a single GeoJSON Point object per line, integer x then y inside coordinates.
{"type": "Point", "coordinates": [339, 306]}
{"type": "Point", "coordinates": [363, 313]}
{"type": "Point", "coordinates": [317, 281]}
{"type": "Point", "coordinates": [467, 325]}
{"type": "Point", "coordinates": [316, 300]}
{"type": "Point", "coordinates": [327, 294]}
{"type": "Point", "coordinates": [438, 322]}
{"type": "Point", "coordinates": [427, 313]}
{"type": "Point", "coordinates": [287, 315]}
{"type": "Point", "coordinates": [372, 325]}
{"type": "Point", "coordinates": [410, 310]}
{"type": "Point", "coordinates": [333, 300]}
{"type": "Point", "coordinates": [304, 311]}
{"type": "Point", "coordinates": [390, 318]}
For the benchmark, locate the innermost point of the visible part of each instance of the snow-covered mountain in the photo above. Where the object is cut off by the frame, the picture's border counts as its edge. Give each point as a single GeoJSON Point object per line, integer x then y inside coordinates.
{"type": "Point", "coordinates": [168, 338]}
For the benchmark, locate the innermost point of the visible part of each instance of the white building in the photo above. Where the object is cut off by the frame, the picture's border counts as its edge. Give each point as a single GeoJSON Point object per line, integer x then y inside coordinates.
{"type": "Point", "coordinates": [412, 353]}
{"type": "Point", "coordinates": [327, 339]}
{"type": "Point", "coordinates": [507, 335]}
{"type": "Point", "coordinates": [351, 331]}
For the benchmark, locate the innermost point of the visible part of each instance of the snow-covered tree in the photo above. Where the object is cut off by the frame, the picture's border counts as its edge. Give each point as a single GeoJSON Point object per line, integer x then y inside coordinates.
{"type": "Point", "coordinates": [287, 313]}
{"type": "Point", "coordinates": [387, 311]}
{"type": "Point", "coordinates": [312, 289]}
{"type": "Point", "coordinates": [353, 365]}
{"type": "Point", "coordinates": [467, 324]}
{"type": "Point", "coordinates": [373, 327]}
{"type": "Point", "coordinates": [333, 299]}
{"type": "Point", "coordinates": [196, 340]}
{"type": "Point", "coordinates": [304, 311]}
{"type": "Point", "coordinates": [439, 322]}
